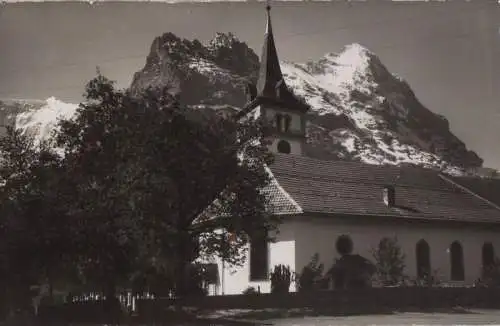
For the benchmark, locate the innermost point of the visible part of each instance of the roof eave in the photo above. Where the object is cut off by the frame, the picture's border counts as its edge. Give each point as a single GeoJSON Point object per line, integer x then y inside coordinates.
{"type": "Point", "coordinates": [392, 217]}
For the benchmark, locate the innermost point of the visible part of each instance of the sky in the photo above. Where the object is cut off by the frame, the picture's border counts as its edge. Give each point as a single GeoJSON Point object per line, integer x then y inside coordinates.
{"type": "Point", "coordinates": [448, 52]}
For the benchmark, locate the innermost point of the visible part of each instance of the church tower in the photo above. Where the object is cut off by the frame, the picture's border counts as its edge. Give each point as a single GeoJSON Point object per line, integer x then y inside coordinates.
{"type": "Point", "coordinates": [274, 101]}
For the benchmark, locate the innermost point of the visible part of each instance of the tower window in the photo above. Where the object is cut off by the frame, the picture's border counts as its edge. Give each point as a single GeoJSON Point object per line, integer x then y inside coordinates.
{"type": "Point", "coordinates": [287, 122]}
{"type": "Point", "coordinates": [284, 147]}
{"type": "Point", "coordinates": [279, 122]}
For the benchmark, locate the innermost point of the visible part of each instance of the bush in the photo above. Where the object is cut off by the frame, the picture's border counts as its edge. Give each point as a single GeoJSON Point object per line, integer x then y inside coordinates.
{"type": "Point", "coordinates": [250, 290]}
{"type": "Point", "coordinates": [490, 275]}
{"type": "Point", "coordinates": [352, 272]}
{"type": "Point", "coordinates": [311, 278]}
{"type": "Point", "coordinates": [429, 280]}
{"type": "Point", "coordinates": [281, 279]}
{"type": "Point", "coordinates": [389, 262]}
{"type": "Point", "coordinates": [344, 245]}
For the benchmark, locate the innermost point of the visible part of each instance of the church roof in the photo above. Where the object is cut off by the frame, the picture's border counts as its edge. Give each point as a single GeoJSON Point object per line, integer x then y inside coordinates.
{"type": "Point", "coordinates": [354, 188]}
{"type": "Point", "coordinates": [487, 188]}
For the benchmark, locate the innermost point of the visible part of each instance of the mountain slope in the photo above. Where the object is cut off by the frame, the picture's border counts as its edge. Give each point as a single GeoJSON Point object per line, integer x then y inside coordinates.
{"type": "Point", "coordinates": [35, 117]}
{"type": "Point", "coordinates": [371, 114]}
{"type": "Point", "coordinates": [359, 110]}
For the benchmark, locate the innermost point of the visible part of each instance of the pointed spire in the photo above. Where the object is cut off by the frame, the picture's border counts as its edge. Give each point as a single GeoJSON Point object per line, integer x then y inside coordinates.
{"type": "Point", "coordinates": [270, 72]}
{"type": "Point", "coordinates": [268, 23]}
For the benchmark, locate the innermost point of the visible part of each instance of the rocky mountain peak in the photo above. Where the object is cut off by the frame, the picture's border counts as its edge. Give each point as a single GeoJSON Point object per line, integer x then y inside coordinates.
{"type": "Point", "coordinates": [213, 73]}
{"type": "Point", "coordinates": [222, 40]}
{"type": "Point", "coordinates": [359, 109]}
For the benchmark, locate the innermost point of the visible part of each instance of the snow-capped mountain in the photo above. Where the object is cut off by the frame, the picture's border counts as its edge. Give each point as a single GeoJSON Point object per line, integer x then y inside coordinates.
{"type": "Point", "coordinates": [359, 110]}
{"type": "Point", "coordinates": [35, 117]}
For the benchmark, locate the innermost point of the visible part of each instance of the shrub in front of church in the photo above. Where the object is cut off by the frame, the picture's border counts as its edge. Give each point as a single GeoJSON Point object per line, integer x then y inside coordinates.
{"type": "Point", "coordinates": [311, 277]}
{"type": "Point", "coordinates": [428, 279]}
{"type": "Point", "coordinates": [281, 278]}
{"type": "Point", "coordinates": [389, 262]}
{"type": "Point", "coordinates": [250, 291]}
{"type": "Point", "coordinates": [490, 275]}
{"type": "Point", "coordinates": [352, 271]}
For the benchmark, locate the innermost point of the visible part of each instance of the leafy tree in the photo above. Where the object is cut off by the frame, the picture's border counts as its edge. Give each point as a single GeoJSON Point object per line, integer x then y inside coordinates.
{"type": "Point", "coordinates": [35, 244]}
{"type": "Point", "coordinates": [153, 181]}
{"type": "Point", "coordinates": [390, 262]}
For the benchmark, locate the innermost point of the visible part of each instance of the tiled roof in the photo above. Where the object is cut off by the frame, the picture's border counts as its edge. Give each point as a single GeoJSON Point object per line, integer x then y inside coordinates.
{"type": "Point", "coordinates": [488, 189]}
{"type": "Point", "coordinates": [342, 187]}
{"type": "Point", "coordinates": [280, 202]}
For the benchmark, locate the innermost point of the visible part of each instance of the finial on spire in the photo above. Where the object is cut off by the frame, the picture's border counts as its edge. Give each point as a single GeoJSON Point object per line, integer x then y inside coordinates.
{"type": "Point", "coordinates": [268, 9]}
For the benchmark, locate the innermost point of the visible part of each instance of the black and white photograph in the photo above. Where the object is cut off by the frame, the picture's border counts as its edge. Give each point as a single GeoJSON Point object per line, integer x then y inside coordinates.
{"type": "Point", "coordinates": [250, 162]}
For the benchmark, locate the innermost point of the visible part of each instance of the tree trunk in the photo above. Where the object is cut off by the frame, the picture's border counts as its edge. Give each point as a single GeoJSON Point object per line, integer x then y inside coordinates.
{"type": "Point", "coordinates": [111, 304]}
{"type": "Point", "coordinates": [181, 278]}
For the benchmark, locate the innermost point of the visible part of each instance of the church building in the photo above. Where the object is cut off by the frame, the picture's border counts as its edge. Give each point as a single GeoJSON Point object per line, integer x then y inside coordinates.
{"type": "Point", "coordinates": [442, 227]}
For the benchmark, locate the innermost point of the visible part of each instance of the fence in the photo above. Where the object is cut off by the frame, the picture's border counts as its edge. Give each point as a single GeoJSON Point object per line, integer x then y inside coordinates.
{"type": "Point", "coordinates": [361, 301]}
{"type": "Point", "coordinates": [343, 300]}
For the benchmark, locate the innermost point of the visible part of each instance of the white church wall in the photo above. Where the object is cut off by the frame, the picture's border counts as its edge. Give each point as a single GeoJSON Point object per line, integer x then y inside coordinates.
{"type": "Point", "coordinates": [319, 235]}
{"type": "Point", "coordinates": [236, 279]}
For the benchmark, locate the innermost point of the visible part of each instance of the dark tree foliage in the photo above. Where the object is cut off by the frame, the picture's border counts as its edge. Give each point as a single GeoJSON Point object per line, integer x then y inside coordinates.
{"type": "Point", "coordinates": [352, 271]}
{"type": "Point", "coordinates": [141, 191]}
{"type": "Point", "coordinates": [389, 261]}
{"type": "Point", "coordinates": [311, 277]}
{"type": "Point", "coordinates": [146, 169]}
{"type": "Point", "coordinates": [35, 241]}
{"type": "Point", "coordinates": [344, 245]}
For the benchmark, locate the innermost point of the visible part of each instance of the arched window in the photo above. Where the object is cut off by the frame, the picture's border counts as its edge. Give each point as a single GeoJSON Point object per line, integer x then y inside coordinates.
{"type": "Point", "coordinates": [423, 254]}
{"type": "Point", "coordinates": [288, 121]}
{"type": "Point", "coordinates": [284, 147]}
{"type": "Point", "coordinates": [488, 254]}
{"type": "Point", "coordinates": [457, 262]}
{"type": "Point", "coordinates": [279, 122]}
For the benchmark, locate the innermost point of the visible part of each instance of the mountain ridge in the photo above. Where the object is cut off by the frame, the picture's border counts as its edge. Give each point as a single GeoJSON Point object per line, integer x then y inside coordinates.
{"type": "Point", "coordinates": [359, 110]}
